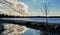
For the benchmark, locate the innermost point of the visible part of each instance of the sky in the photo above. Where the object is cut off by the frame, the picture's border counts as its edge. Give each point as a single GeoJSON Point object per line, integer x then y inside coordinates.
{"type": "Point", "coordinates": [37, 6]}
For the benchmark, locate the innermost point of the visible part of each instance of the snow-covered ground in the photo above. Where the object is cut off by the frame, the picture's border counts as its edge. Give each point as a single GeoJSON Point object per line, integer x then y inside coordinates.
{"type": "Point", "coordinates": [13, 29]}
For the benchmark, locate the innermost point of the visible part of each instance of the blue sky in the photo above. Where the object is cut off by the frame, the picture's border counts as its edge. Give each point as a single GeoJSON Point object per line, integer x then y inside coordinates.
{"type": "Point", "coordinates": [35, 7]}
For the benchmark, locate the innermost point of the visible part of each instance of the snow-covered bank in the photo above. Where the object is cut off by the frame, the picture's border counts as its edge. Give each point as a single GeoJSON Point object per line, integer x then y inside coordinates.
{"type": "Point", "coordinates": [13, 29]}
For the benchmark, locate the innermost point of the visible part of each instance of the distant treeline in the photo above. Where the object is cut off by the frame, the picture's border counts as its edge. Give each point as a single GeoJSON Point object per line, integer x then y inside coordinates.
{"type": "Point", "coordinates": [6, 16]}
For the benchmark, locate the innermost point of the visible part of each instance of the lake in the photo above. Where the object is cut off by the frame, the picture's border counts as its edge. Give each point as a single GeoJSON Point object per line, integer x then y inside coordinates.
{"type": "Point", "coordinates": [38, 32]}
{"type": "Point", "coordinates": [50, 20]}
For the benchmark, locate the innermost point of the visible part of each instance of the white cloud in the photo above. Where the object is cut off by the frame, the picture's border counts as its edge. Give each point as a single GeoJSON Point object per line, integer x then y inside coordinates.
{"type": "Point", "coordinates": [16, 8]}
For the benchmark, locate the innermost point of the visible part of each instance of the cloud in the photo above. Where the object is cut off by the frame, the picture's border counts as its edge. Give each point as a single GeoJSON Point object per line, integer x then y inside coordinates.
{"type": "Point", "coordinates": [17, 9]}
{"type": "Point", "coordinates": [25, 8]}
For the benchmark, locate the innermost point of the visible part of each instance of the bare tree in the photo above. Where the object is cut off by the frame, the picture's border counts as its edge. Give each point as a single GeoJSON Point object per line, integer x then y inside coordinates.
{"type": "Point", "coordinates": [45, 10]}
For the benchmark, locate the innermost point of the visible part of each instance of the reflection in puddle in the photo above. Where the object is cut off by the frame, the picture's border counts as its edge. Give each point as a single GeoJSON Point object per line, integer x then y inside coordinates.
{"type": "Point", "coordinates": [39, 32]}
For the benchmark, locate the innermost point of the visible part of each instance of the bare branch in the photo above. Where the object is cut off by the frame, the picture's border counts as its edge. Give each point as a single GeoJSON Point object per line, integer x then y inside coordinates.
{"type": "Point", "coordinates": [42, 11]}
{"type": "Point", "coordinates": [46, 9]}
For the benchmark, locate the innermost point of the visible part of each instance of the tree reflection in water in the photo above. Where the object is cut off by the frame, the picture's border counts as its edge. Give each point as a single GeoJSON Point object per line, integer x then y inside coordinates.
{"type": "Point", "coordinates": [38, 32]}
